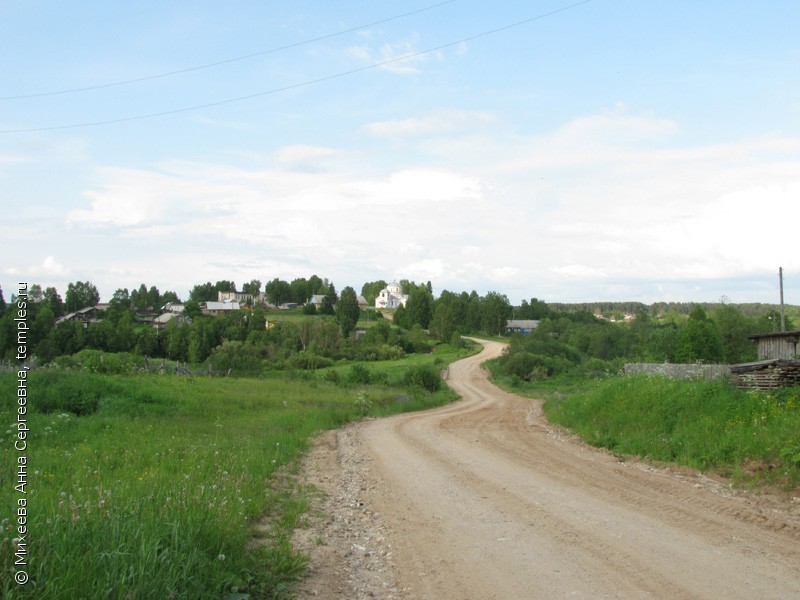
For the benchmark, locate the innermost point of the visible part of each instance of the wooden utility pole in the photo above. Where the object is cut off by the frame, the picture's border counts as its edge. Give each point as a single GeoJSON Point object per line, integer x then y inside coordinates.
{"type": "Point", "coordinates": [783, 318]}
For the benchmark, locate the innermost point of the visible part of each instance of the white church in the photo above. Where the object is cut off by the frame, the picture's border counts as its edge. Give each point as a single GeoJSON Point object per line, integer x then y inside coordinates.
{"type": "Point", "coordinates": [391, 296]}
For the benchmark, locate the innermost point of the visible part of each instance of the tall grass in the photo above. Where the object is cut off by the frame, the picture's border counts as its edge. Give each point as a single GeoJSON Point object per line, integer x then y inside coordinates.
{"type": "Point", "coordinates": [157, 492]}
{"type": "Point", "coordinates": [752, 436]}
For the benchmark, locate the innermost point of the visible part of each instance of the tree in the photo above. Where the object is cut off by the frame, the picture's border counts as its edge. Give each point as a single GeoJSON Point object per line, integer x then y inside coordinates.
{"type": "Point", "coordinates": [120, 304]}
{"type": "Point", "coordinates": [699, 339]}
{"type": "Point", "coordinates": [535, 310]}
{"type": "Point", "coordinates": [139, 298]}
{"type": "Point", "coordinates": [80, 295]}
{"type": "Point", "coordinates": [329, 300]}
{"type": "Point", "coordinates": [370, 290]}
{"type": "Point", "coordinates": [419, 308]}
{"type": "Point", "coordinates": [54, 301]}
{"type": "Point", "coordinates": [300, 291]}
{"type": "Point", "coordinates": [347, 311]}
{"type": "Point", "coordinates": [203, 292]}
{"type": "Point", "coordinates": [278, 292]}
{"type": "Point", "coordinates": [734, 328]}
{"type": "Point", "coordinates": [444, 324]}
{"type": "Point", "coordinates": [253, 288]}
{"type": "Point", "coordinates": [495, 311]}
{"type": "Point", "coordinates": [2, 303]}
{"type": "Point", "coordinates": [167, 297]}
{"type": "Point", "coordinates": [154, 298]}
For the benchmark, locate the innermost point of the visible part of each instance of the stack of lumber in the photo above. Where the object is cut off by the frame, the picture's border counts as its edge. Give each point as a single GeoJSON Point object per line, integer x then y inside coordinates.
{"type": "Point", "coordinates": [766, 374]}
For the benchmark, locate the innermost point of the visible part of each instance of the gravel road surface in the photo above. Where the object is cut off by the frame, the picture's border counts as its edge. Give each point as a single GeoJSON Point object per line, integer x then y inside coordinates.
{"type": "Point", "coordinates": [483, 499]}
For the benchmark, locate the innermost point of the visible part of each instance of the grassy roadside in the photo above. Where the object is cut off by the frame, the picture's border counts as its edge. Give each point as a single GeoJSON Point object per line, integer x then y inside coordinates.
{"type": "Point", "coordinates": [155, 490]}
{"type": "Point", "coordinates": [751, 437]}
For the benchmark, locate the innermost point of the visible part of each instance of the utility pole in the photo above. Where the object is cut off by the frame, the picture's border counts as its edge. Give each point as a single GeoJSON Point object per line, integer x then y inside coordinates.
{"type": "Point", "coordinates": [783, 318]}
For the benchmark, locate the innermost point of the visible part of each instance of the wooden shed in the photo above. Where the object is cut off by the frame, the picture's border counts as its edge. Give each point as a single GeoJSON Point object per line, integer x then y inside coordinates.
{"type": "Point", "coordinates": [777, 345]}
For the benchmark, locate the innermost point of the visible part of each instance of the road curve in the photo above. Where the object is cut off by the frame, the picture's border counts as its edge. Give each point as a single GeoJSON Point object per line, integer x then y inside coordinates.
{"type": "Point", "coordinates": [483, 499]}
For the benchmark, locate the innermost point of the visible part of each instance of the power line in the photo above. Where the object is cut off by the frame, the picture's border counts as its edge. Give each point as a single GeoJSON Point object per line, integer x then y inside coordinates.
{"type": "Point", "coordinates": [302, 84]}
{"type": "Point", "coordinates": [227, 60]}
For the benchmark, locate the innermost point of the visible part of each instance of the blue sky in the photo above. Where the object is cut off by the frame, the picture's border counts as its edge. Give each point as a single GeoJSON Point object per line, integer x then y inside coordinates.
{"type": "Point", "coordinates": [604, 150]}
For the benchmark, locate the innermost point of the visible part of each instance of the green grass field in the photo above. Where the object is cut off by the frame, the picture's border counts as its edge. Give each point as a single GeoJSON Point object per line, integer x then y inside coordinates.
{"type": "Point", "coordinates": [156, 494]}
{"type": "Point", "coordinates": [752, 437]}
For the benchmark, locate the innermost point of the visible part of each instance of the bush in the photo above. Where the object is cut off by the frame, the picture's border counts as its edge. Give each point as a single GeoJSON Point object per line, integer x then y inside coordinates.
{"type": "Point", "coordinates": [237, 357]}
{"type": "Point", "coordinates": [308, 361]}
{"type": "Point", "coordinates": [59, 391]}
{"type": "Point", "coordinates": [332, 376]}
{"type": "Point", "coordinates": [97, 361]}
{"type": "Point", "coordinates": [423, 376]}
{"type": "Point", "coordinates": [359, 374]}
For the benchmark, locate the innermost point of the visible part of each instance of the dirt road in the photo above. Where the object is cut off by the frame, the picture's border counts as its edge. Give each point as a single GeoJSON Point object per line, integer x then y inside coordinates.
{"type": "Point", "coordinates": [483, 499]}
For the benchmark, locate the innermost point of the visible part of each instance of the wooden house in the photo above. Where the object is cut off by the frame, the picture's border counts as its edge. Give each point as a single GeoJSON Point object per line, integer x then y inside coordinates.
{"type": "Point", "coordinates": [777, 345]}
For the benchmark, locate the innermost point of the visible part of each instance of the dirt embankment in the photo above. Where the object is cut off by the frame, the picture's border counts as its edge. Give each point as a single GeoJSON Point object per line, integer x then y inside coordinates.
{"type": "Point", "coordinates": [483, 499]}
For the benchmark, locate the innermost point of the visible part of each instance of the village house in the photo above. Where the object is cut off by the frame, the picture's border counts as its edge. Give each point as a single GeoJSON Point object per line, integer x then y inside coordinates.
{"type": "Point", "coordinates": [523, 326]}
{"type": "Point", "coordinates": [219, 308]}
{"type": "Point", "coordinates": [391, 296]}
{"type": "Point", "coordinates": [89, 314]}
{"type": "Point", "coordinates": [242, 298]}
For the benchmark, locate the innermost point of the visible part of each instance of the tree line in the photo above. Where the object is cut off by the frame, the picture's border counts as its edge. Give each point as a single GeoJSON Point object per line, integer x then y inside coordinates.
{"type": "Point", "coordinates": [579, 341]}
{"type": "Point", "coordinates": [125, 324]}
{"type": "Point", "coordinates": [567, 336]}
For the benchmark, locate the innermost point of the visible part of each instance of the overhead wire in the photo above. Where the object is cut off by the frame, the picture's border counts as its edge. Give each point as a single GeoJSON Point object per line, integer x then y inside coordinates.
{"type": "Point", "coordinates": [302, 84]}
{"type": "Point", "coordinates": [227, 60]}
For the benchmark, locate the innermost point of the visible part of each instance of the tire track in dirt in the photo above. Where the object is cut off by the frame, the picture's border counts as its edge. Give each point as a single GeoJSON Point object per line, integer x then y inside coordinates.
{"type": "Point", "coordinates": [484, 499]}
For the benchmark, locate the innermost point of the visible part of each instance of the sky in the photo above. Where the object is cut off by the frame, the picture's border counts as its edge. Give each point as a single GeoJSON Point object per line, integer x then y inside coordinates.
{"type": "Point", "coordinates": [567, 151]}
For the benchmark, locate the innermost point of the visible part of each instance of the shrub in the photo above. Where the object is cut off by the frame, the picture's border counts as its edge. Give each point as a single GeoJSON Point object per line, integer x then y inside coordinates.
{"type": "Point", "coordinates": [308, 361]}
{"type": "Point", "coordinates": [60, 391]}
{"type": "Point", "coordinates": [237, 357]}
{"type": "Point", "coordinates": [423, 376]}
{"type": "Point", "coordinates": [359, 374]}
{"type": "Point", "coordinates": [97, 361]}
{"type": "Point", "coordinates": [332, 376]}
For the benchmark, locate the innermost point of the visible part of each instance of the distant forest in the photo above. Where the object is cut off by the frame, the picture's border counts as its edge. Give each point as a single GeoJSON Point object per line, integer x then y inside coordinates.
{"type": "Point", "coordinates": [661, 310]}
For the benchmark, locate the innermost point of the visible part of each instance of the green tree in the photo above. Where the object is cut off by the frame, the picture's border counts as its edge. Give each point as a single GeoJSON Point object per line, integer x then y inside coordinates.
{"type": "Point", "coordinates": [120, 304]}
{"type": "Point", "coordinates": [734, 328]}
{"type": "Point", "coordinates": [54, 301]}
{"type": "Point", "coordinates": [371, 289]}
{"type": "Point", "coordinates": [329, 300]}
{"type": "Point", "coordinates": [535, 310]}
{"type": "Point", "coordinates": [138, 298]}
{"type": "Point", "coordinates": [495, 311]}
{"type": "Point", "coordinates": [278, 292]}
{"type": "Point", "coordinates": [225, 286]}
{"type": "Point", "coordinates": [419, 308]}
{"type": "Point", "coordinates": [347, 311]}
{"type": "Point", "coordinates": [80, 295]}
{"type": "Point", "coordinates": [300, 290]}
{"type": "Point", "coordinates": [203, 292]}
{"type": "Point", "coordinates": [253, 288]}
{"type": "Point", "coordinates": [154, 298]}
{"type": "Point", "coordinates": [444, 324]}
{"type": "Point", "coordinates": [699, 339]}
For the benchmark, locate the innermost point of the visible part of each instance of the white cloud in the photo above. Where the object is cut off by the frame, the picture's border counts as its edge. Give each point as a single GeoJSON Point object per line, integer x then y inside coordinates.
{"type": "Point", "coordinates": [402, 57]}
{"type": "Point", "coordinates": [611, 203]}
{"type": "Point", "coordinates": [50, 266]}
{"type": "Point", "coordinates": [445, 122]}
